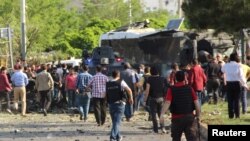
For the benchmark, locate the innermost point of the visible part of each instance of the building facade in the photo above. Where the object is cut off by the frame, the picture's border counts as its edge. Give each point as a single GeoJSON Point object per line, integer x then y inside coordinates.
{"type": "Point", "coordinates": [152, 5]}
{"type": "Point", "coordinates": [171, 6]}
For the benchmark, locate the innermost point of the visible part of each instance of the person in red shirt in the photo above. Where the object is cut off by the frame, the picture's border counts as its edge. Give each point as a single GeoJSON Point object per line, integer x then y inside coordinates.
{"type": "Point", "coordinates": [174, 68]}
{"type": "Point", "coordinates": [5, 88]}
{"type": "Point", "coordinates": [182, 101]}
{"type": "Point", "coordinates": [70, 87]}
{"type": "Point", "coordinates": [198, 79]}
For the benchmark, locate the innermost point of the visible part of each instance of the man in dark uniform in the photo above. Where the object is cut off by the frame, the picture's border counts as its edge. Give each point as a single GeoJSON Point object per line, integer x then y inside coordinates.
{"type": "Point", "coordinates": [214, 73]}
{"type": "Point", "coordinates": [182, 101]}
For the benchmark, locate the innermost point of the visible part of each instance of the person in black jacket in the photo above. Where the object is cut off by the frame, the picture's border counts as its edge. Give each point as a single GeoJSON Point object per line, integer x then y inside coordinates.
{"type": "Point", "coordinates": [214, 73]}
{"type": "Point", "coordinates": [117, 100]}
{"type": "Point", "coordinates": [182, 101]}
{"type": "Point", "coordinates": [154, 91]}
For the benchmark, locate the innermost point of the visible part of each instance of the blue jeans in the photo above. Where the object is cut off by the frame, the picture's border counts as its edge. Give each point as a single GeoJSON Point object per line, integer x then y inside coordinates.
{"type": "Point", "coordinates": [55, 94]}
{"type": "Point", "coordinates": [200, 97]}
{"type": "Point", "coordinates": [71, 94]}
{"type": "Point", "coordinates": [128, 110]}
{"type": "Point", "coordinates": [116, 111]}
{"type": "Point", "coordinates": [244, 100]}
{"type": "Point", "coordinates": [83, 102]}
{"type": "Point", "coordinates": [139, 101]}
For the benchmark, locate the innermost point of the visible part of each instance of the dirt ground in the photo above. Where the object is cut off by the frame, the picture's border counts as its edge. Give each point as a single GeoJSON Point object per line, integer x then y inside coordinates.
{"type": "Point", "coordinates": [68, 127]}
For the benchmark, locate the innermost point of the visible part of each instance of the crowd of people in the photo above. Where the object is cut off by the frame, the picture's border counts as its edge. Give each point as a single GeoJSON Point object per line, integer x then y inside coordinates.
{"type": "Point", "coordinates": [183, 91]}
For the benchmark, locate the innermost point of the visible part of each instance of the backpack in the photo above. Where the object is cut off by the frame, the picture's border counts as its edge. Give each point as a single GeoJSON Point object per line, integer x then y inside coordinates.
{"type": "Point", "coordinates": [115, 92]}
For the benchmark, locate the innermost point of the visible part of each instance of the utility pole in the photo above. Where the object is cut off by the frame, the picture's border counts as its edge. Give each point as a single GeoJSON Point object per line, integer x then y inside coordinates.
{"type": "Point", "coordinates": [130, 12]}
{"type": "Point", "coordinates": [10, 46]}
{"type": "Point", "coordinates": [23, 30]}
{"type": "Point", "coordinates": [180, 12]}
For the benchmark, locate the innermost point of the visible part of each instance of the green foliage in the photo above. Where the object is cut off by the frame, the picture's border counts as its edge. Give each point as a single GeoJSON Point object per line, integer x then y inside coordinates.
{"type": "Point", "coordinates": [87, 38]}
{"type": "Point", "coordinates": [10, 15]}
{"type": "Point", "coordinates": [55, 25]}
{"type": "Point", "coordinates": [104, 25]}
{"type": "Point", "coordinates": [111, 9]}
{"type": "Point", "coordinates": [90, 37]}
{"type": "Point", "coordinates": [46, 20]}
{"type": "Point", "coordinates": [158, 19]}
{"type": "Point", "coordinates": [222, 15]}
{"type": "Point", "coordinates": [218, 115]}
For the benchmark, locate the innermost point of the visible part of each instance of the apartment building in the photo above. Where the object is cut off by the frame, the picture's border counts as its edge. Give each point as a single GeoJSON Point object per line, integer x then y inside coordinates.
{"type": "Point", "coordinates": [151, 5]}
{"type": "Point", "coordinates": [148, 5]}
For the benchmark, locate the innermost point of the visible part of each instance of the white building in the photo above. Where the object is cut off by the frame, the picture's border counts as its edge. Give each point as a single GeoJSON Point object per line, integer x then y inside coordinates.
{"type": "Point", "coordinates": [152, 5]}
{"type": "Point", "coordinates": [148, 5]}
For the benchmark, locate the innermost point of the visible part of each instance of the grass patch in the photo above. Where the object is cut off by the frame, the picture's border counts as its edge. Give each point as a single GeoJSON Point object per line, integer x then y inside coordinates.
{"type": "Point", "coordinates": [218, 115]}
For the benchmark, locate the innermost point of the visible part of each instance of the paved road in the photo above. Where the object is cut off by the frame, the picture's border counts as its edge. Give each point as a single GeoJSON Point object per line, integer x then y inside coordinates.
{"type": "Point", "coordinates": [63, 127]}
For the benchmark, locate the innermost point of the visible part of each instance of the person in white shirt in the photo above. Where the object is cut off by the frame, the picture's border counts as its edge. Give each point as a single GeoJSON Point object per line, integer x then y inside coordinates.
{"type": "Point", "coordinates": [234, 80]}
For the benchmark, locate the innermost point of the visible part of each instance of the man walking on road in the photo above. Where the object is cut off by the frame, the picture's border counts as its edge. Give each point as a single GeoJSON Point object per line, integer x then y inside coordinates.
{"type": "Point", "coordinates": [70, 87]}
{"type": "Point", "coordinates": [19, 81]}
{"type": "Point", "coordinates": [83, 93]}
{"type": "Point", "coordinates": [154, 91]}
{"type": "Point", "coordinates": [198, 80]}
{"type": "Point", "coordinates": [129, 76]}
{"type": "Point", "coordinates": [44, 85]}
{"type": "Point", "coordinates": [98, 86]}
{"type": "Point", "coordinates": [182, 99]}
{"type": "Point", "coordinates": [117, 100]}
{"type": "Point", "coordinates": [5, 88]}
{"type": "Point", "coordinates": [214, 73]}
{"type": "Point", "coordinates": [234, 80]}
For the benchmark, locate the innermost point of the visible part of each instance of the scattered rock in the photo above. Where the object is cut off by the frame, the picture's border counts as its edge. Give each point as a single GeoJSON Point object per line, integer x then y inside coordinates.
{"type": "Point", "coordinates": [215, 112]}
{"type": "Point", "coordinates": [16, 131]}
{"type": "Point", "coordinates": [80, 131]}
{"type": "Point", "coordinates": [49, 136]}
{"type": "Point", "coordinates": [54, 126]}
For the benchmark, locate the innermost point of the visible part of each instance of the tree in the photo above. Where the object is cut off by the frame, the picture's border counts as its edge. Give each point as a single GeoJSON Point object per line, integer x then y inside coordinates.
{"type": "Point", "coordinates": [222, 15]}
{"type": "Point", "coordinates": [46, 21]}
{"type": "Point", "coordinates": [111, 9]}
{"type": "Point", "coordinates": [158, 19]}
{"type": "Point", "coordinates": [9, 14]}
{"type": "Point", "coordinates": [88, 38]}
{"type": "Point", "coordinates": [57, 25]}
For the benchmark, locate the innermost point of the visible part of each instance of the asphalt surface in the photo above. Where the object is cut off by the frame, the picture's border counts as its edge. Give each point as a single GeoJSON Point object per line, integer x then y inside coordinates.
{"type": "Point", "coordinates": [66, 127]}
